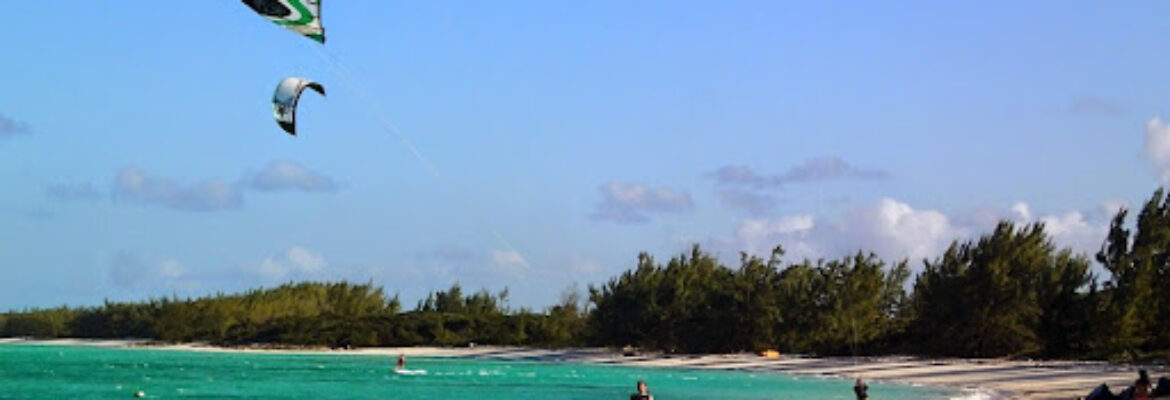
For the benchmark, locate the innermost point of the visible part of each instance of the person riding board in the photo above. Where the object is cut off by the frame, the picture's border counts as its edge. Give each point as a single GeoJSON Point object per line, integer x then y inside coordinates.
{"type": "Point", "coordinates": [643, 392]}
{"type": "Point", "coordinates": [1141, 387]}
{"type": "Point", "coordinates": [401, 362]}
{"type": "Point", "coordinates": [861, 390]}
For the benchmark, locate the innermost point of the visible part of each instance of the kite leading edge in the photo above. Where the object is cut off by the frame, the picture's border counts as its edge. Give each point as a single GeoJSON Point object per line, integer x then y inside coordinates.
{"type": "Point", "coordinates": [284, 101]}
{"type": "Point", "coordinates": [300, 16]}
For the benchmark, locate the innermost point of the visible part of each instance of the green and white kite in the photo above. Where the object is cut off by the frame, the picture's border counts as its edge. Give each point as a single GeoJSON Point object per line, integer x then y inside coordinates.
{"type": "Point", "coordinates": [300, 16]}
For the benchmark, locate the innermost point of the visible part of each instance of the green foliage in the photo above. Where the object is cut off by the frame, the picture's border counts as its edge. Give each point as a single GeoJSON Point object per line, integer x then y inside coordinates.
{"type": "Point", "coordinates": [313, 314]}
{"type": "Point", "coordinates": [48, 323]}
{"type": "Point", "coordinates": [1135, 297]}
{"type": "Point", "coordinates": [1010, 292]}
{"type": "Point", "coordinates": [683, 306]}
{"type": "Point", "coordinates": [988, 297]}
{"type": "Point", "coordinates": [694, 304]}
{"type": "Point", "coordinates": [846, 306]}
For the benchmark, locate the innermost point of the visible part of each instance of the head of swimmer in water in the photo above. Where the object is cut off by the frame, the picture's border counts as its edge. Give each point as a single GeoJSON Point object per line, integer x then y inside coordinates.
{"type": "Point", "coordinates": [642, 388]}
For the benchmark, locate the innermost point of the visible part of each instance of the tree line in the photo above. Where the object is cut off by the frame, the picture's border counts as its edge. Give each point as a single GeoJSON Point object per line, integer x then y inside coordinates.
{"type": "Point", "coordinates": [1011, 292]}
{"type": "Point", "coordinates": [335, 314]}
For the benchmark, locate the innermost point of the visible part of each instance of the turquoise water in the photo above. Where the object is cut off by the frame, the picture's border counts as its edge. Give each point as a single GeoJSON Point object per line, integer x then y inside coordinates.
{"type": "Point", "coordinates": [77, 372]}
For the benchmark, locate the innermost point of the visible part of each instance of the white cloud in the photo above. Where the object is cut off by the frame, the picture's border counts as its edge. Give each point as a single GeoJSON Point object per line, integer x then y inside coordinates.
{"type": "Point", "coordinates": [294, 262]}
{"type": "Point", "coordinates": [1073, 230]}
{"type": "Point", "coordinates": [287, 175]}
{"type": "Point", "coordinates": [1022, 211]}
{"type": "Point", "coordinates": [170, 269]}
{"type": "Point", "coordinates": [1157, 147]}
{"type": "Point", "coordinates": [894, 230]}
{"type": "Point", "coordinates": [887, 227]}
{"type": "Point", "coordinates": [134, 184]}
{"type": "Point", "coordinates": [630, 203]}
{"type": "Point", "coordinates": [303, 260]}
{"type": "Point", "coordinates": [1109, 208]}
{"type": "Point", "coordinates": [1081, 231]}
{"type": "Point", "coordinates": [760, 235]}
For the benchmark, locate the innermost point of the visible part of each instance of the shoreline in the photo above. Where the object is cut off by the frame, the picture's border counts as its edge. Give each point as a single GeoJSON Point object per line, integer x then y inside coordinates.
{"type": "Point", "coordinates": [980, 378]}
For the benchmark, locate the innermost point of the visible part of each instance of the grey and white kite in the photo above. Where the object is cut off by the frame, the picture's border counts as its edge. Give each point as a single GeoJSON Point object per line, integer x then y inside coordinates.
{"type": "Point", "coordinates": [284, 101]}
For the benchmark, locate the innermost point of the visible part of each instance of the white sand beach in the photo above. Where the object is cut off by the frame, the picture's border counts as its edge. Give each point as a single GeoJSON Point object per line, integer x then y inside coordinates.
{"type": "Point", "coordinates": [987, 379]}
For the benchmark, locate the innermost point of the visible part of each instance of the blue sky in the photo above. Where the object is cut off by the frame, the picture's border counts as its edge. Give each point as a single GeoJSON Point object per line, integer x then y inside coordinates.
{"type": "Point", "coordinates": [138, 156]}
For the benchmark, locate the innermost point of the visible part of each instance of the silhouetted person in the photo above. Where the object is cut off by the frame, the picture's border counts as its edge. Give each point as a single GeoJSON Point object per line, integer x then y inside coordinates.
{"type": "Point", "coordinates": [861, 390]}
{"type": "Point", "coordinates": [643, 392]}
{"type": "Point", "coordinates": [1141, 387]}
{"type": "Point", "coordinates": [401, 362]}
{"type": "Point", "coordinates": [1101, 393]}
{"type": "Point", "coordinates": [1163, 388]}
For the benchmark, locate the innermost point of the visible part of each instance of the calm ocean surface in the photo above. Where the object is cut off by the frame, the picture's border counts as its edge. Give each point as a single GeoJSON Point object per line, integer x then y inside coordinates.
{"type": "Point", "coordinates": [77, 372]}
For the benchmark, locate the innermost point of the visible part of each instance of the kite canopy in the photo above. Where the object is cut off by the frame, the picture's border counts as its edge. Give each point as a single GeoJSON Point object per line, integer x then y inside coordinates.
{"type": "Point", "coordinates": [300, 16]}
{"type": "Point", "coordinates": [284, 101]}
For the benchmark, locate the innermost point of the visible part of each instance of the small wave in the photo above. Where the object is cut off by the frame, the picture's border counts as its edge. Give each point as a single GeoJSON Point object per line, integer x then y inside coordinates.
{"type": "Point", "coordinates": [976, 394]}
